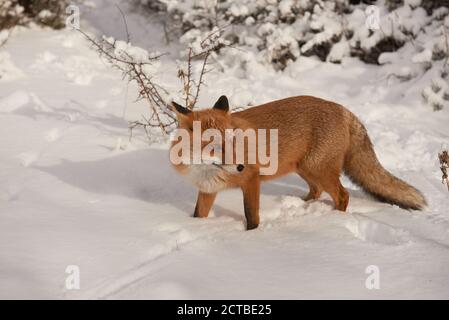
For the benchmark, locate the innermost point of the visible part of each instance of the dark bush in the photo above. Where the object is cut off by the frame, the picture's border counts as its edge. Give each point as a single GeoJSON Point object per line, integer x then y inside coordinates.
{"type": "Point", "coordinates": [49, 13]}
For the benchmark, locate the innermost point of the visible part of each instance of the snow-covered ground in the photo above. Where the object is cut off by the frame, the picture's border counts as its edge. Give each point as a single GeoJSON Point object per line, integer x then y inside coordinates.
{"type": "Point", "coordinates": [75, 191]}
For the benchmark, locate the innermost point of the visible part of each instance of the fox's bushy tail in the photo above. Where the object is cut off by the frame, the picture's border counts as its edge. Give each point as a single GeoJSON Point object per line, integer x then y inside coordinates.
{"type": "Point", "coordinates": [363, 167]}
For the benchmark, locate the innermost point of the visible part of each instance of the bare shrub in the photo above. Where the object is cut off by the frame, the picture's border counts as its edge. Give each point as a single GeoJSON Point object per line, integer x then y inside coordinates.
{"type": "Point", "coordinates": [136, 66]}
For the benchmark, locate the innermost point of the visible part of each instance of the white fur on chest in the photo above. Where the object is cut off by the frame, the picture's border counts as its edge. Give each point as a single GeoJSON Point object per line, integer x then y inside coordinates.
{"type": "Point", "coordinates": [207, 178]}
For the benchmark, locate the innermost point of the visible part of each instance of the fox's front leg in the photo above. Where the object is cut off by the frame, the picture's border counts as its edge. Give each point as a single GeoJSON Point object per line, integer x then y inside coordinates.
{"type": "Point", "coordinates": [251, 195]}
{"type": "Point", "coordinates": [203, 204]}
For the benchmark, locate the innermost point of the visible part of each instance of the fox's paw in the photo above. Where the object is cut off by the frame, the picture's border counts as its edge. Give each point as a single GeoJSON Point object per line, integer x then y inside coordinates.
{"type": "Point", "coordinates": [307, 198]}
{"type": "Point", "coordinates": [311, 196]}
{"type": "Point", "coordinates": [251, 226]}
{"type": "Point", "coordinates": [196, 215]}
{"type": "Point", "coordinates": [199, 214]}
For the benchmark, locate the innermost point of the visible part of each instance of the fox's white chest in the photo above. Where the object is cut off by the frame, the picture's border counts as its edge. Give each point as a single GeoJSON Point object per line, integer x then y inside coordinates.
{"type": "Point", "coordinates": [206, 178]}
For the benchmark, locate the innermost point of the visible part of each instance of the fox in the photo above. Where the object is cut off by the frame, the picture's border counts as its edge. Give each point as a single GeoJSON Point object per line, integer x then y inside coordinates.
{"type": "Point", "coordinates": [317, 140]}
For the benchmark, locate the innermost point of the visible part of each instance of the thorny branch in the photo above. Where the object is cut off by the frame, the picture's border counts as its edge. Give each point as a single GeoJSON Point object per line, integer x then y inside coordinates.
{"type": "Point", "coordinates": [208, 45]}
{"type": "Point", "coordinates": [133, 69]}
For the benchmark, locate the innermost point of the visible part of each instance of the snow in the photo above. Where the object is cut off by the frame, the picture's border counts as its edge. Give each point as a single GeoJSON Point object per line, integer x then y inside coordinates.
{"type": "Point", "coordinates": [338, 51]}
{"type": "Point", "coordinates": [238, 10]}
{"type": "Point", "coordinates": [14, 101]}
{"type": "Point", "coordinates": [3, 36]}
{"type": "Point", "coordinates": [8, 71]}
{"type": "Point", "coordinates": [74, 190]}
{"type": "Point", "coordinates": [424, 56]}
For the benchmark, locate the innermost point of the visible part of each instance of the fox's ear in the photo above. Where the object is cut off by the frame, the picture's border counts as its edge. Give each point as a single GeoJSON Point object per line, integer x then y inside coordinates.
{"type": "Point", "coordinates": [222, 104]}
{"type": "Point", "coordinates": [180, 109]}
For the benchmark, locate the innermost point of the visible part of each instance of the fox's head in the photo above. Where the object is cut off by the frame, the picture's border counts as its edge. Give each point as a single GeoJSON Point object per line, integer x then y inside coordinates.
{"type": "Point", "coordinates": [199, 147]}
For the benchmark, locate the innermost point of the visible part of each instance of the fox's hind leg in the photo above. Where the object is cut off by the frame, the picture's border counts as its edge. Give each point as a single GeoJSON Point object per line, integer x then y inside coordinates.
{"type": "Point", "coordinates": [327, 177]}
{"type": "Point", "coordinates": [332, 185]}
{"type": "Point", "coordinates": [314, 192]}
{"type": "Point", "coordinates": [315, 188]}
{"type": "Point", "coordinates": [203, 204]}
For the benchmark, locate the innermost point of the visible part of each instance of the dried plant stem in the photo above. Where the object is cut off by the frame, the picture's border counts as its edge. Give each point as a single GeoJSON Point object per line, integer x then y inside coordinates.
{"type": "Point", "coordinates": [444, 166]}
{"type": "Point", "coordinates": [208, 45]}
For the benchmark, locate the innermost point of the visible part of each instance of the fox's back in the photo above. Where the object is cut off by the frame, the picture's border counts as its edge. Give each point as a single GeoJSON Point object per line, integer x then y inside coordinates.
{"type": "Point", "coordinates": [293, 112]}
{"type": "Point", "coordinates": [306, 126]}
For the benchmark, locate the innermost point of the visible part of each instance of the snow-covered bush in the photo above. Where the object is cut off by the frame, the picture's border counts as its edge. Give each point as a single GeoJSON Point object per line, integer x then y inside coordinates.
{"type": "Point", "coordinates": [437, 93]}
{"type": "Point", "coordinates": [43, 12]}
{"type": "Point", "coordinates": [409, 38]}
{"type": "Point", "coordinates": [11, 14]}
{"type": "Point", "coordinates": [425, 50]}
{"type": "Point", "coordinates": [282, 30]}
{"type": "Point", "coordinates": [275, 28]}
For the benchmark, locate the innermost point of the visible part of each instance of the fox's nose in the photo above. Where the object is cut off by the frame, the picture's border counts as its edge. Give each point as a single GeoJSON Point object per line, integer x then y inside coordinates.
{"type": "Point", "coordinates": [240, 167]}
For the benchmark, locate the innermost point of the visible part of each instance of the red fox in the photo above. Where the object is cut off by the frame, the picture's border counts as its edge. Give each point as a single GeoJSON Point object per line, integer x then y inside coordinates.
{"type": "Point", "coordinates": [317, 139]}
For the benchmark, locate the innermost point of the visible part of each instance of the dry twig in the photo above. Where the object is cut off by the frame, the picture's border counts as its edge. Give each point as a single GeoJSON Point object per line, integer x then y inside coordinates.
{"type": "Point", "coordinates": [208, 45]}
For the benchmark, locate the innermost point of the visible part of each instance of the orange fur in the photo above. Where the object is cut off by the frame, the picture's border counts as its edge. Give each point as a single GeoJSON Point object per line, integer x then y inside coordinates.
{"type": "Point", "coordinates": [317, 139]}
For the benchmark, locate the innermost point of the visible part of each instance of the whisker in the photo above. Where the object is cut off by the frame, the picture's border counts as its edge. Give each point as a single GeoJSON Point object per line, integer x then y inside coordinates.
{"type": "Point", "coordinates": [219, 166]}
